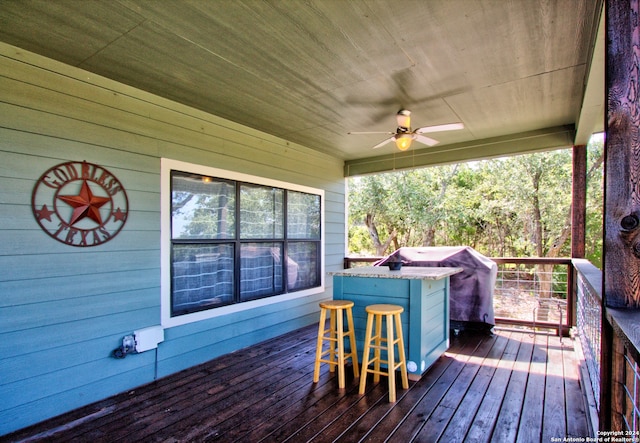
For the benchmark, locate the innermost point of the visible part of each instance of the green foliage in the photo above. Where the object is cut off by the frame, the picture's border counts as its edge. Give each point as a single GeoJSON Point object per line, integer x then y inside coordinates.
{"type": "Point", "coordinates": [513, 206]}
{"type": "Point", "coordinates": [359, 241]}
{"type": "Point", "coordinates": [595, 205]}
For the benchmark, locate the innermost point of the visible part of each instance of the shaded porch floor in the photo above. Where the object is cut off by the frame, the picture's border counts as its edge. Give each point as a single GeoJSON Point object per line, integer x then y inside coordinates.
{"type": "Point", "coordinates": [509, 386]}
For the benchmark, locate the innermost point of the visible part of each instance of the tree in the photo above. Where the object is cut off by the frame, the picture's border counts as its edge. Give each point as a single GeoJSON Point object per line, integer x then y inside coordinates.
{"type": "Point", "coordinates": [368, 198]}
{"type": "Point", "coordinates": [514, 206]}
{"type": "Point", "coordinates": [400, 209]}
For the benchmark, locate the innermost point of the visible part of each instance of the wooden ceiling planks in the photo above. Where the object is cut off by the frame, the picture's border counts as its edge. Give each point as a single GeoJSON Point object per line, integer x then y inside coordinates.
{"type": "Point", "coordinates": [312, 73]}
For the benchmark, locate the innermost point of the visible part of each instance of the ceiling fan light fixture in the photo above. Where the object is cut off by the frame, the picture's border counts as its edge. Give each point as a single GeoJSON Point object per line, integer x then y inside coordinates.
{"type": "Point", "coordinates": [403, 118]}
{"type": "Point", "coordinates": [404, 136]}
{"type": "Point", "coordinates": [403, 141]}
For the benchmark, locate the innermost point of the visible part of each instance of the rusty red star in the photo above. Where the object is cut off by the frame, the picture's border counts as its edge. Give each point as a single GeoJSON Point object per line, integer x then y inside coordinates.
{"type": "Point", "coordinates": [85, 204]}
{"type": "Point", "coordinates": [44, 213]}
{"type": "Point", "coordinates": [118, 215]}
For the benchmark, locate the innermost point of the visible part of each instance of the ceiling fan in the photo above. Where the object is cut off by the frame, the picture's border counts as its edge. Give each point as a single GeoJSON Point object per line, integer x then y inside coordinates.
{"type": "Point", "coordinates": [404, 135]}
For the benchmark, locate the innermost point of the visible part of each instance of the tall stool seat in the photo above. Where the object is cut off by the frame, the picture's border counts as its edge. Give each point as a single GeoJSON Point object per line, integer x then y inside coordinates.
{"type": "Point", "coordinates": [335, 336]}
{"type": "Point", "coordinates": [375, 341]}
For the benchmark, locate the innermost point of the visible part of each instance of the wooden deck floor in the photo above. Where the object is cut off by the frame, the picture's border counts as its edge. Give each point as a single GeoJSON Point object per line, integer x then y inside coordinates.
{"type": "Point", "coordinates": [511, 386]}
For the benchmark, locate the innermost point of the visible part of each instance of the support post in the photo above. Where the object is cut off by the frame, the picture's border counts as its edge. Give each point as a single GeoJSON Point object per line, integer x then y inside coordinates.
{"type": "Point", "coordinates": [621, 255]}
{"type": "Point", "coordinates": [579, 201]}
{"type": "Point", "coordinates": [621, 258]}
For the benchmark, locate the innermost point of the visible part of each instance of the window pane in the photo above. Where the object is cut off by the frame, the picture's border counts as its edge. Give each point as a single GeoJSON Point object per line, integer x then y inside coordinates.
{"type": "Point", "coordinates": [261, 214]}
{"type": "Point", "coordinates": [260, 270]}
{"type": "Point", "coordinates": [303, 215]}
{"type": "Point", "coordinates": [303, 265]}
{"type": "Point", "coordinates": [202, 277]}
{"type": "Point", "coordinates": [202, 207]}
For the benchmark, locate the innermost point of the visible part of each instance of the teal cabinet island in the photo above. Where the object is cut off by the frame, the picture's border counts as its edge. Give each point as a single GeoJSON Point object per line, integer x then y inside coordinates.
{"type": "Point", "coordinates": [422, 292]}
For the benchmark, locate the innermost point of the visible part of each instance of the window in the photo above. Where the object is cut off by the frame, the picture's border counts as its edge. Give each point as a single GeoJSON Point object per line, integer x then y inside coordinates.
{"type": "Point", "coordinates": [234, 238]}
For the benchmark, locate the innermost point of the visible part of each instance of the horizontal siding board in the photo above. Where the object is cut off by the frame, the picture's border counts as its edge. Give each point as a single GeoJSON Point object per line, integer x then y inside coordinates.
{"type": "Point", "coordinates": [247, 316]}
{"type": "Point", "coordinates": [39, 338]}
{"type": "Point", "coordinates": [18, 318]}
{"type": "Point", "coordinates": [53, 150]}
{"type": "Point", "coordinates": [434, 302]}
{"type": "Point", "coordinates": [81, 262]}
{"type": "Point", "coordinates": [13, 190]}
{"type": "Point", "coordinates": [333, 244]}
{"type": "Point", "coordinates": [21, 217]}
{"type": "Point", "coordinates": [334, 218]}
{"type": "Point", "coordinates": [335, 249]}
{"type": "Point", "coordinates": [434, 313]}
{"type": "Point", "coordinates": [39, 290]}
{"type": "Point", "coordinates": [394, 288]}
{"type": "Point", "coordinates": [236, 329]}
{"type": "Point", "coordinates": [23, 165]}
{"type": "Point", "coordinates": [39, 363]}
{"type": "Point", "coordinates": [433, 336]}
{"type": "Point", "coordinates": [332, 229]}
{"type": "Point", "coordinates": [252, 164]}
{"type": "Point", "coordinates": [182, 361]}
{"type": "Point", "coordinates": [58, 127]}
{"type": "Point", "coordinates": [35, 388]}
{"type": "Point", "coordinates": [16, 242]}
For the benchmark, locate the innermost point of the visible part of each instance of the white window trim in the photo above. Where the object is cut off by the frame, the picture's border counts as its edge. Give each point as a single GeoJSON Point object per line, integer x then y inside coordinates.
{"type": "Point", "coordinates": [166, 166]}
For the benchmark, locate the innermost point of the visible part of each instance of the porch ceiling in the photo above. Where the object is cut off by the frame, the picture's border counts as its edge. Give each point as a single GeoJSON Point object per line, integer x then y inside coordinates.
{"type": "Point", "coordinates": [520, 74]}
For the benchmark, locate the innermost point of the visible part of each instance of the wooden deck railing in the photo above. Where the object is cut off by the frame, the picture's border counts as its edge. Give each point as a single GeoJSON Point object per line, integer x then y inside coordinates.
{"type": "Point", "coordinates": [609, 339]}
{"type": "Point", "coordinates": [530, 292]}
{"type": "Point", "coordinates": [620, 372]}
{"type": "Point", "coordinates": [588, 290]}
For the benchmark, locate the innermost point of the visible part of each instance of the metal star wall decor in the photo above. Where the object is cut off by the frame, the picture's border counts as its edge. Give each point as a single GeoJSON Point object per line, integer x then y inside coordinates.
{"type": "Point", "coordinates": [80, 204]}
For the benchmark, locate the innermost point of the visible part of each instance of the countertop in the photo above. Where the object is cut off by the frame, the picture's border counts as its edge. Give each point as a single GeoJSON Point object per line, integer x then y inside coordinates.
{"type": "Point", "coordinates": [406, 272]}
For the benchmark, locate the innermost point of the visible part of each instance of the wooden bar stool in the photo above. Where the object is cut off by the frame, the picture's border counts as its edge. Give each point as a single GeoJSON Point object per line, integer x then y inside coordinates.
{"type": "Point", "coordinates": [335, 337]}
{"type": "Point", "coordinates": [374, 340]}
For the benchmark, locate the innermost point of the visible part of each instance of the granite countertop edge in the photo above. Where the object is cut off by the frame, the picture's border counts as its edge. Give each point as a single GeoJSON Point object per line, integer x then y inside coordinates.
{"type": "Point", "coordinates": [406, 272]}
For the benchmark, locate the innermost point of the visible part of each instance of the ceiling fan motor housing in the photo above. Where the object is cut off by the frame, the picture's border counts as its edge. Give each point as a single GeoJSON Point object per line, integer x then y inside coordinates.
{"type": "Point", "coordinates": [404, 120]}
{"type": "Point", "coordinates": [404, 136]}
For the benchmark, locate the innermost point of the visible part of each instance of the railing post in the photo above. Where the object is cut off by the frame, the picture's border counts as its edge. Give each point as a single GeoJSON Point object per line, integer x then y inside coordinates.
{"type": "Point", "coordinates": [617, 394]}
{"type": "Point", "coordinates": [606, 358]}
{"type": "Point", "coordinates": [571, 296]}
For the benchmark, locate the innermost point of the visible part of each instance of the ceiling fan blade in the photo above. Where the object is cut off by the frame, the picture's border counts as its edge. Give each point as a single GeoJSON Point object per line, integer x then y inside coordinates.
{"type": "Point", "coordinates": [381, 144]}
{"type": "Point", "coordinates": [369, 132]}
{"type": "Point", "coordinates": [426, 140]}
{"type": "Point", "coordinates": [439, 128]}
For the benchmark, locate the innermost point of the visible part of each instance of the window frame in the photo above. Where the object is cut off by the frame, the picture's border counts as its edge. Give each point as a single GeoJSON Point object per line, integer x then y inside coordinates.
{"type": "Point", "coordinates": [169, 165]}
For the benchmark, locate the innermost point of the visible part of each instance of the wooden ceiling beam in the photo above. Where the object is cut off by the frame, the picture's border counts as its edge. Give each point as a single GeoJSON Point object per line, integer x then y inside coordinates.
{"type": "Point", "coordinates": [513, 144]}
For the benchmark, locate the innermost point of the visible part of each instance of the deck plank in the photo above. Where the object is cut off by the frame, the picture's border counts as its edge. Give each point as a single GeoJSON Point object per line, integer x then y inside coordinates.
{"type": "Point", "coordinates": [577, 424]}
{"type": "Point", "coordinates": [554, 415]}
{"type": "Point", "coordinates": [506, 428]}
{"type": "Point", "coordinates": [511, 386]}
{"type": "Point", "coordinates": [245, 396]}
{"type": "Point", "coordinates": [468, 407]}
{"type": "Point", "coordinates": [407, 403]}
{"type": "Point", "coordinates": [484, 421]}
{"type": "Point", "coordinates": [530, 428]}
{"type": "Point", "coordinates": [457, 393]}
{"type": "Point", "coordinates": [425, 407]}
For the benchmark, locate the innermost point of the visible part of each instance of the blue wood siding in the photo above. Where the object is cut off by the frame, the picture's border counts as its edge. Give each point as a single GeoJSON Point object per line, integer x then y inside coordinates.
{"type": "Point", "coordinates": [425, 319]}
{"type": "Point", "coordinates": [64, 309]}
